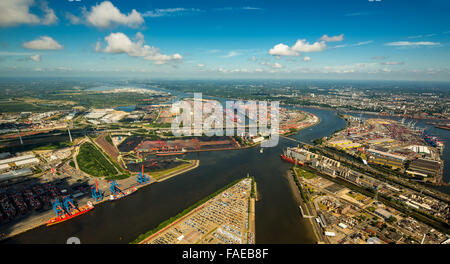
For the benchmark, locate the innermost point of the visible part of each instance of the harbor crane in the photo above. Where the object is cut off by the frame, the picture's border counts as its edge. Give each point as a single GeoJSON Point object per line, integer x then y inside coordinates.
{"type": "Point", "coordinates": [142, 178]}
{"type": "Point", "coordinates": [69, 205]}
{"type": "Point", "coordinates": [57, 207]}
{"type": "Point", "coordinates": [96, 193]}
{"type": "Point", "coordinates": [114, 188]}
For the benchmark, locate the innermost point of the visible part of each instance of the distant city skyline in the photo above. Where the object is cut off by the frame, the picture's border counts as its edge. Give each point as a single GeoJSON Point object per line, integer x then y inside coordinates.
{"type": "Point", "coordinates": [358, 39]}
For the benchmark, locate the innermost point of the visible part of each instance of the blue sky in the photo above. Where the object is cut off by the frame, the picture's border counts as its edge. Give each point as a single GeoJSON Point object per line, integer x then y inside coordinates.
{"type": "Point", "coordinates": [359, 39]}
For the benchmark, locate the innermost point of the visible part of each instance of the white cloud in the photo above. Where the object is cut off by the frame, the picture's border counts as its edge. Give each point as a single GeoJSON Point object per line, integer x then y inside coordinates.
{"type": "Point", "coordinates": [307, 59]}
{"type": "Point", "coordinates": [105, 15]}
{"type": "Point", "coordinates": [119, 43]}
{"type": "Point", "coordinates": [163, 59]}
{"type": "Point", "coordinates": [251, 8]}
{"type": "Point", "coordinates": [237, 8]}
{"type": "Point", "coordinates": [302, 46]}
{"type": "Point", "coordinates": [16, 12]}
{"type": "Point", "coordinates": [276, 65]}
{"type": "Point", "coordinates": [413, 37]}
{"type": "Point", "coordinates": [62, 68]}
{"type": "Point", "coordinates": [200, 65]}
{"type": "Point", "coordinates": [332, 39]}
{"type": "Point", "coordinates": [213, 51]}
{"type": "Point", "coordinates": [50, 17]}
{"type": "Point", "coordinates": [409, 43]}
{"type": "Point", "coordinates": [43, 43]}
{"type": "Point", "coordinates": [170, 12]}
{"type": "Point", "coordinates": [363, 43]}
{"type": "Point", "coordinates": [36, 58]}
{"type": "Point", "coordinates": [73, 19]}
{"type": "Point", "coordinates": [340, 46]}
{"type": "Point", "coordinates": [231, 54]}
{"type": "Point", "coordinates": [283, 50]}
{"type": "Point", "coordinates": [351, 68]}
{"type": "Point", "coordinates": [392, 63]}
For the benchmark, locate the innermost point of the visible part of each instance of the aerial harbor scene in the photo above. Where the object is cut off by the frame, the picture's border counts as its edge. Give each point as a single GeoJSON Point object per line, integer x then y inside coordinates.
{"type": "Point", "coordinates": [224, 122]}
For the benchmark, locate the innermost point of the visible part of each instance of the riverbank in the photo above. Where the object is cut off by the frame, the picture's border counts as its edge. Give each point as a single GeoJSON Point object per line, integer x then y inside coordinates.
{"type": "Point", "coordinates": [302, 205]}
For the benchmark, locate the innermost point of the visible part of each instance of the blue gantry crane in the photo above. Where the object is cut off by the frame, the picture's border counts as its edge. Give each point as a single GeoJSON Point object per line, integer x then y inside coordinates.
{"type": "Point", "coordinates": [142, 178]}
{"type": "Point", "coordinates": [96, 193]}
{"type": "Point", "coordinates": [114, 188]}
{"type": "Point", "coordinates": [57, 207]}
{"type": "Point", "coordinates": [69, 205]}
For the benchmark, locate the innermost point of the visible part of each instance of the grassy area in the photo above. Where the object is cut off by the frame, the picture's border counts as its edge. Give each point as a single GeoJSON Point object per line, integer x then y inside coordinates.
{"type": "Point", "coordinates": [305, 174]}
{"type": "Point", "coordinates": [302, 192]}
{"type": "Point", "coordinates": [108, 138]}
{"type": "Point", "coordinates": [160, 174]}
{"type": "Point", "coordinates": [54, 145]}
{"type": "Point", "coordinates": [92, 161]}
{"type": "Point", "coordinates": [183, 213]}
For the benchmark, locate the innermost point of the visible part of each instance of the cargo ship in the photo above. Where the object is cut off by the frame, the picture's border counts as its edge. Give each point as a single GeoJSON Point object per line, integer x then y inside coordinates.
{"type": "Point", "coordinates": [433, 141]}
{"type": "Point", "coordinates": [294, 156]}
{"type": "Point", "coordinates": [443, 126]}
{"type": "Point", "coordinates": [117, 193]}
{"type": "Point", "coordinates": [288, 159]}
{"type": "Point", "coordinates": [68, 211]}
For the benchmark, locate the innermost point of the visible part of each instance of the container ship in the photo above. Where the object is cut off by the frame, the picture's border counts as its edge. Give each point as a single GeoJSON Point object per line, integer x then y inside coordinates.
{"type": "Point", "coordinates": [117, 193]}
{"type": "Point", "coordinates": [294, 156]}
{"type": "Point", "coordinates": [433, 141]}
{"type": "Point", "coordinates": [443, 126]}
{"type": "Point", "coordinates": [67, 210]}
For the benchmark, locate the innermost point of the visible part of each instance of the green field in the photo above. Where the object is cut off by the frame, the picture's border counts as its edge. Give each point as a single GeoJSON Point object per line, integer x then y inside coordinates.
{"type": "Point", "coordinates": [92, 161]}
{"type": "Point", "coordinates": [161, 174]}
{"type": "Point", "coordinates": [54, 145]}
{"type": "Point", "coordinates": [304, 174]}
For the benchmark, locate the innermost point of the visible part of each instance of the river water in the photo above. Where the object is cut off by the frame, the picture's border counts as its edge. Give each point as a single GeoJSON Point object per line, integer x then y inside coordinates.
{"type": "Point", "coordinates": [277, 215]}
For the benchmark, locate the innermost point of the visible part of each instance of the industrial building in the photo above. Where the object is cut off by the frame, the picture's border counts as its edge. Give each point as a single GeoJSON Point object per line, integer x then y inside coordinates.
{"type": "Point", "coordinates": [425, 166]}
{"type": "Point", "coordinates": [344, 144]}
{"type": "Point", "coordinates": [20, 161]}
{"type": "Point", "coordinates": [15, 174]}
{"type": "Point", "coordinates": [386, 158]}
{"type": "Point", "coordinates": [383, 213]}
